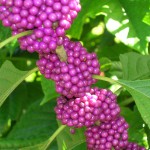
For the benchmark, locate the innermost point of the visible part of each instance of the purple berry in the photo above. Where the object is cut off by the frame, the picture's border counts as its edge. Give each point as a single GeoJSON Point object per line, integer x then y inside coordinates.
{"type": "Point", "coordinates": [134, 146]}
{"type": "Point", "coordinates": [99, 137]}
{"type": "Point", "coordinates": [72, 77]}
{"type": "Point", "coordinates": [87, 110]}
{"type": "Point", "coordinates": [72, 131]}
{"type": "Point", "coordinates": [35, 13]}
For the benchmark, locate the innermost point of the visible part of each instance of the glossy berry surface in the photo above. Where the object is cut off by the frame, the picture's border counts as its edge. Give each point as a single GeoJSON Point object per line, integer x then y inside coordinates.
{"type": "Point", "coordinates": [42, 40]}
{"type": "Point", "coordinates": [30, 14]}
{"type": "Point", "coordinates": [134, 146]}
{"type": "Point", "coordinates": [108, 135]}
{"type": "Point", "coordinates": [47, 18]}
{"type": "Point", "coordinates": [87, 110]}
{"type": "Point", "coordinates": [73, 76]}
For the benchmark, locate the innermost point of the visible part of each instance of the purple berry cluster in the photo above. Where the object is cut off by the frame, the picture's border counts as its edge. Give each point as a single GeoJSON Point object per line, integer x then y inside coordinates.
{"type": "Point", "coordinates": [42, 40]}
{"type": "Point", "coordinates": [71, 67]}
{"type": "Point", "coordinates": [73, 77]}
{"type": "Point", "coordinates": [134, 146]}
{"type": "Point", "coordinates": [48, 18]}
{"type": "Point", "coordinates": [30, 14]}
{"type": "Point", "coordinates": [87, 110]}
{"type": "Point", "coordinates": [108, 135]}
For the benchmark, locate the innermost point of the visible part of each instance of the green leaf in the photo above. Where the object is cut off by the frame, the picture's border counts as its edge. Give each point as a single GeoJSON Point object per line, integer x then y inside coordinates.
{"type": "Point", "coordinates": [81, 146]}
{"type": "Point", "coordinates": [146, 18]}
{"type": "Point", "coordinates": [140, 90]}
{"type": "Point", "coordinates": [44, 145]}
{"type": "Point", "coordinates": [148, 134]}
{"type": "Point", "coordinates": [89, 9]}
{"type": "Point", "coordinates": [12, 108]}
{"type": "Point", "coordinates": [6, 32]}
{"type": "Point", "coordinates": [13, 38]}
{"type": "Point", "coordinates": [136, 130]}
{"type": "Point", "coordinates": [135, 66]}
{"type": "Point", "coordinates": [17, 102]}
{"type": "Point", "coordinates": [105, 63]}
{"type": "Point", "coordinates": [116, 69]}
{"type": "Point", "coordinates": [10, 78]}
{"type": "Point", "coordinates": [34, 127]}
{"type": "Point", "coordinates": [68, 141]}
{"type": "Point", "coordinates": [48, 87]}
{"type": "Point", "coordinates": [124, 20]}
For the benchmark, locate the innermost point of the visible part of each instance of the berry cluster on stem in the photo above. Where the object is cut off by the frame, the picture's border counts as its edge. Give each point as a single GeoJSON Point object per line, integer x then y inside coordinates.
{"type": "Point", "coordinates": [72, 67]}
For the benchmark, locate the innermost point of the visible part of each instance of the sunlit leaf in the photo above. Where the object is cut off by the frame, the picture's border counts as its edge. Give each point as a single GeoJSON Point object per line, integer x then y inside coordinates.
{"type": "Point", "coordinates": [124, 20]}
{"type": "Point", "coordinates": [86, 11]}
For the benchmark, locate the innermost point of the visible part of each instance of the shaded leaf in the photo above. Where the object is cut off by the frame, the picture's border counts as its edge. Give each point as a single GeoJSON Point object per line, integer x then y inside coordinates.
{"type": "Point", "coordinates": [34, 127]}
{"type": "Point", "coordinates": [122, 19]}
{"type": "Point", "coordinates": [12, 108]}
{"type": "Point", "coordinates": [10, 78]}
{"type": "Point", "coordinates": [81, 146]}
{"type": "Point", "coordinates": [148, 134]}
{"type": "Point", "coordinates": [116, 69]}
{"type": "Point", "coordinates": [105, 64]}
{"type": "Point", "coordinates": [18, 102]}
{"type": "Point", "coordinates": [48, 87]}
{"type": "Point", "coordinates": [6, 33]}
{"type": "Point", "coordinates": [136, 130]}
{"type": "Point", "coordinates": [68, 141]}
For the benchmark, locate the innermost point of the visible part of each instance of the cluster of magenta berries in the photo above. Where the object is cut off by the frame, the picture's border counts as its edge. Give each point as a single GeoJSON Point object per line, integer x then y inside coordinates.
{"type": "Point", "coordinates": [29, 14]}
{"type": "Point", "coordinates": [134, 146]}
{"type": "Point", "coordinates": [71, 67]}
{"type": "Point", "coordinates": [107, 135]}
{"type": "Point", "coordinates": [85, 111]}
{"type": "Point", "coordinates": [73, 77]}
{"type": "Point", "coordinates": [48, 18]}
